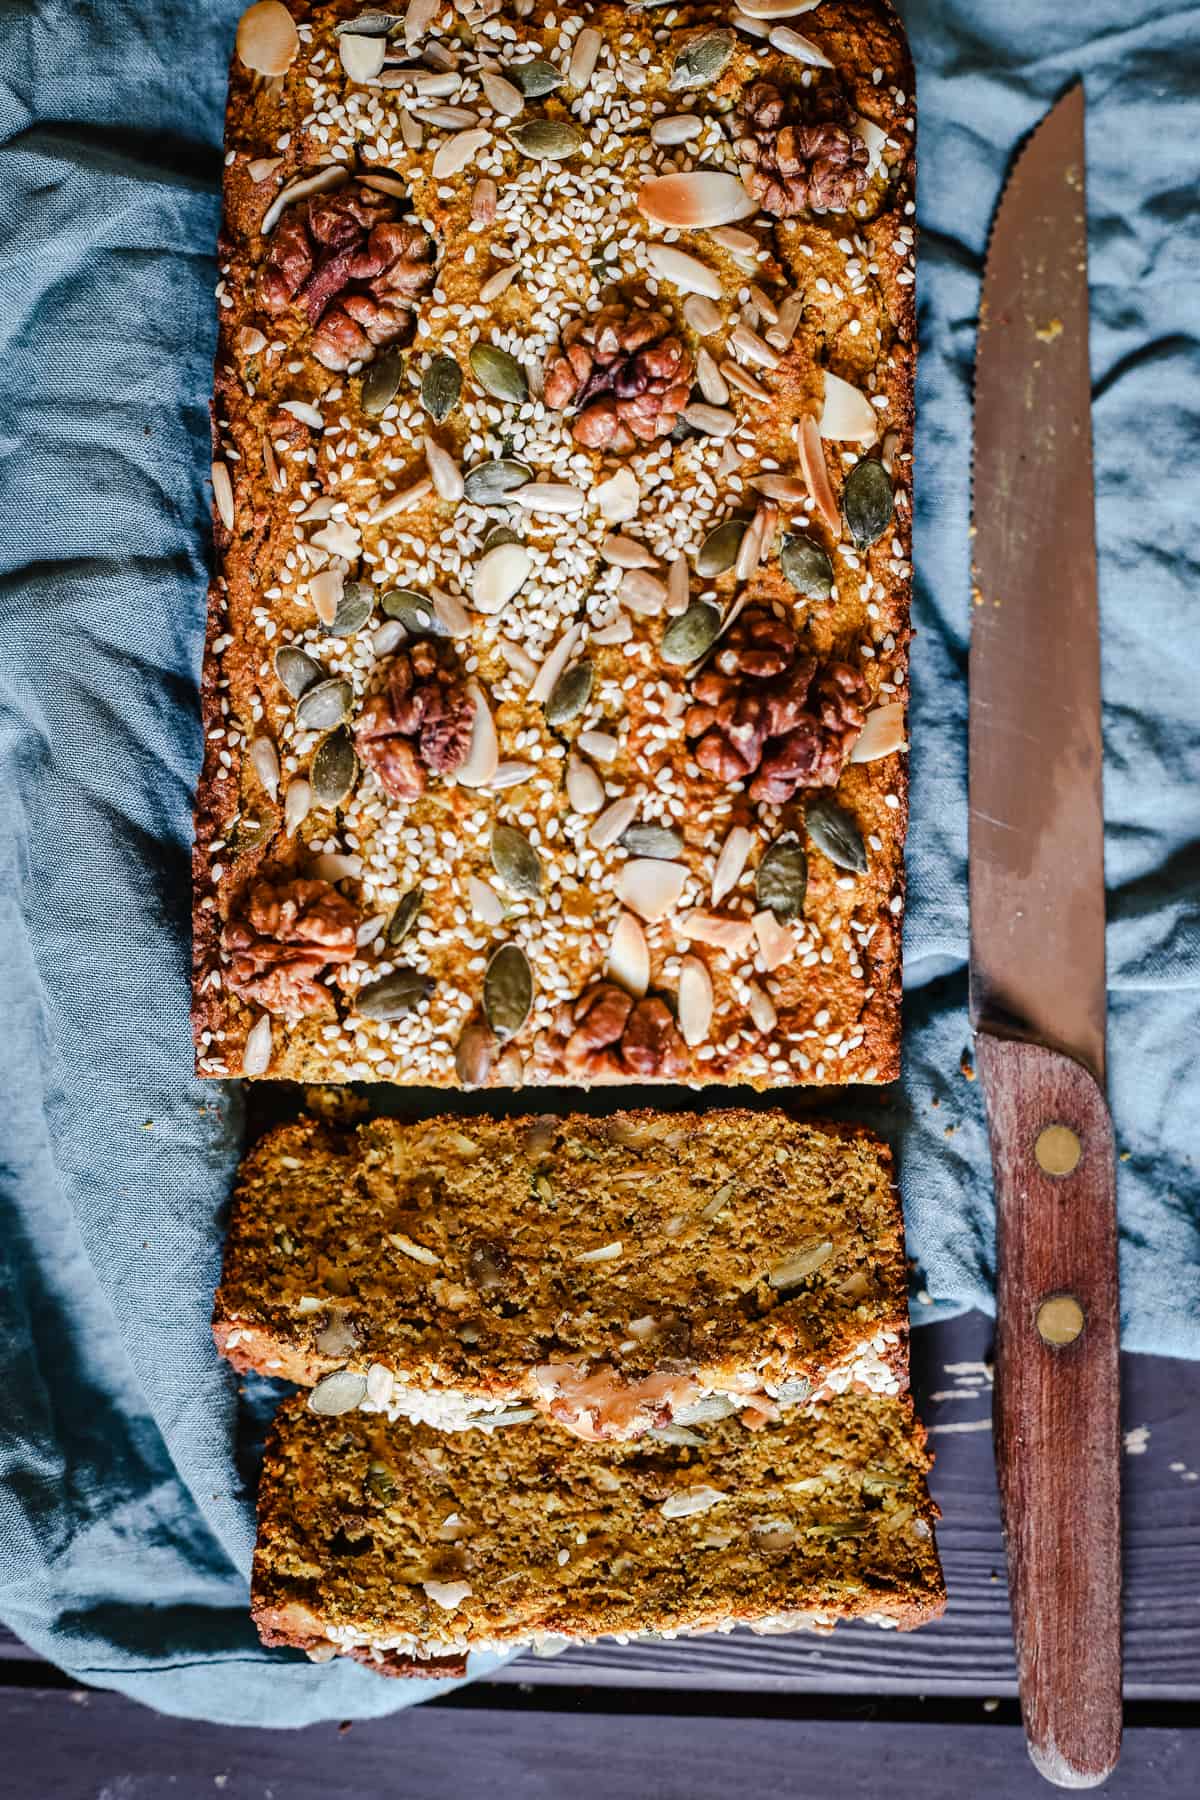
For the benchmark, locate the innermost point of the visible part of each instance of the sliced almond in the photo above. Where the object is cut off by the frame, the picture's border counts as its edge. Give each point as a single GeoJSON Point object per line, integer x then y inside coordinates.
{"type": "Point", "coordinates": [362, 57]}
{"type": "Point", "coordinates": [723, 933]}
{"type": "Point", "coordinates": [650, 887]}
{"type": "Point", "coordinates": [483, 752]}
{"type": "Point", "coordinates": [264, 760]}
{"type": "Point", "coordinates": [267, 39]}
{"type": "Point", "coordinates": [628, 962]}
{"type": "Point", "coordinates": [418, 17]}
{"type": "Point", "coordinates": [695, 1001]}
{"type": "Point", "coordinates": [816, 475]}
{"type": "Point", "coordinates": [703, 317]}
{"type": "Point", "coordinates": [676, 128]}
{"type": "Point", "coordinates": [325, 591]}
{"type": "Point", "coordinates": [500, 574]}
{"type": "Point", "coordinates": [554, 665]}
{"type": "Point", "coordinates": [340, 538]}
{"type": "Point", "coordinates": [614, 820]}
{"type": "Point", "coordinates": [776, 944]}
{"type": "Point", "coordinates": [626, 553]}
{"type": "Point", "coordinates": [402, 502]}
{"type": "Point", "coordinates": [874, 138]}
{"type": "Point", "coordinates": [781, 487]}
{"type": "Point", "coordinates": [643, 593]}
{"type": "Point", "coordinates": [485, 903]}
{"type": "Point", "coordinates": [602, 1253]}
{"type": "Point", "coordinates": [847, 415]}
{"type": "Point", "coordinates": [263, 167]}
{"type": "Point", "coordinates": [444, 471]}
{"type": "Point", "coordinates": [618, 498]}
{"type": "Point", "coordinates": [599, 745]}
{"type": "Point", "coordinates": [747, 345]}
{"type": "Point", "coordinates": [731, 863]}
{"type": "Point", "coordinates": [585, 790]}
{"type": "Point", "coordinates": [457, 153]}
{"type": "Point", "coordinates": [518, 660]}
{"type": "Point", "coordinates": [711, 382]}
{"type": "Point", "coordinates": [744, 381]}
{"type": "Point", "coordinates": [882, 734]}
{"type": "Point", "coordinates": [222, 488]}
{"type": "Point", "coordinates": [776, 9]}
{"type": "Point", "coordinates": [713, 421]}
{"type": "Point", "coordinates": [685, 272]}
{"type": "Point", "coordinates": [323, 181]}
{"type": "Point", "coordinates": [694, 201]}
{"type": "Point", "coordinates": [450, 613]}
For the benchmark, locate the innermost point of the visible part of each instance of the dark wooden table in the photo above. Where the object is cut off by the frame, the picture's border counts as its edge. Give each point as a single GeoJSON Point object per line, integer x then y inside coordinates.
{"type": "Point", "coordinates": [863, 1712]}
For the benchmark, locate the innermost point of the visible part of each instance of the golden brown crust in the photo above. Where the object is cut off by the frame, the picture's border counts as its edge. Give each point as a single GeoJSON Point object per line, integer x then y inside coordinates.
{"type": "Point", "coordinates": [609, 1271]}
{"type": "Point", "coordinates": [846, 969]}
{"type": "Point", "coordinates": [530, 1536]}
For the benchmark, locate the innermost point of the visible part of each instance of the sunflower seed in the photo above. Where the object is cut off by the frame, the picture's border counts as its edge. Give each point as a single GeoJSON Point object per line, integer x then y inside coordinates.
{"type": "Point", "coordinates": [807, 566]}
{"type": "Point", "coordinates": [867, 502]}
{"type": "Point", "coordinates": [612, 822]}
{"type": "Point", "coordinates": [801, 1264]}
{"type": "Point", "coordinates": [381, 382]}
{"type": "Point", "coordinates": [496, 284]}
{"type": "Point", "coordinates": [500, 573]}
{"type": "Point", "coordinates": [459, 151]}
{"type": "Point", "coordinates": [340, 1392]}
{"type": "Point", "coordinates": [393, 995]}
{"type": "Point", "coordinates": [584, 57]}
{"type": "Point", "coordinates": [508, 990]}
{"type": "Point", "coordinates": [256, 1057]}
{"type": "Point", "coordinates": [499, 374]}
{"type": "Point", "coordinates": [832, 830]}
{"type": "Point", "coordinates": [416, 612]}
{"type": "Point", "coordinates": [782, 879]}
{"type": "Point", "coordinates": [628, 959]}
{"type": "Point", "coordinates": [444, 471]}
{"type": "Point", "coordinates": [334, 768]}
{"type": "Point", "coordinates": [535, 79]}
{"type": "Point", "coordinates": [324, 706]}
{"type": "Point", "coordinates": [678, 128]}
{"type": "Point", "coordinates": [695, 1001]}
{"type": "Point", "coordinates": [660, 841]}
{"type": "Point", "coordinates": [585, 790]}
{"type": "Point", "coordinates": [570, 694]}
{"type": "Point", "coordinates": [222, 488]}
{"type": "Point", "coordinates": [405, 916]}
{"type": "Point", "coordinates": [493, 483]}
{"type": "Point", "coordinates": [264, 760]}
{"type": "Point", "coordinates": [688, 637]}
{"type": "Point", "coordinates": [701, 61]}
{"type": "Point", "coordinates": [441, 387]}
{"type": "Point", "coordinates": [505, 96]}
{"type": "Point", "coordinates": [516, 861]}
{"type": "Point", "coordinates": [718, 552]}
{"type": "Point", "coordinates": [297, 804]}
{"type": "Point", "coordinates": [700, 313]}
{"type": "Point", "coordinates": [353, 609]}
{"type": "Point", "coordinates": [547, 140]}
{"type": "Point", "coordinates": [882, 733]}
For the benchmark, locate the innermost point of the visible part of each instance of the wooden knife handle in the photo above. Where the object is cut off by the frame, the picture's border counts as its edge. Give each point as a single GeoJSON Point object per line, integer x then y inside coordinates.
{"type": "Point", "coordinates": [1057, 1403]}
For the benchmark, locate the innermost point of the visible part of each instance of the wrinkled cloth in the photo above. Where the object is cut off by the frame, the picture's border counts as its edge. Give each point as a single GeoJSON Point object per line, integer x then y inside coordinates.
{"type": "Point", "coordinates": [126, 1450]}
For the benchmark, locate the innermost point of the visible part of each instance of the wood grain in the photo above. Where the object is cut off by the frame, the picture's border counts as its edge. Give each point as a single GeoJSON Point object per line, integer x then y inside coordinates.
{"type": "Point", "coordinates": [101, 1747]}
{"type": "Point", "coordinates": [1058, 1445]}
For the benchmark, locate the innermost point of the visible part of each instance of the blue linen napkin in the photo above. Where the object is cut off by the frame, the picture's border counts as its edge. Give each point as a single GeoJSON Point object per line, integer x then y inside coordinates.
{"type": "Point", "coordinates": [126, 1514]}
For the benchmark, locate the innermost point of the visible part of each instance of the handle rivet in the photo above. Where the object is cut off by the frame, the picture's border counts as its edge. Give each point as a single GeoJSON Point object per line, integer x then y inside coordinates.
{"type": "Point", "coordinates": [1060, 1319]}
{"type": "Point", "coordinates": [1058, 1150]}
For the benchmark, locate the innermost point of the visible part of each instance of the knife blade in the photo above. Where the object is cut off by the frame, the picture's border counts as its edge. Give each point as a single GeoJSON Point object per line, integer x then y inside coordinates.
{"type": "Point", "coordinates": [1037, 976]}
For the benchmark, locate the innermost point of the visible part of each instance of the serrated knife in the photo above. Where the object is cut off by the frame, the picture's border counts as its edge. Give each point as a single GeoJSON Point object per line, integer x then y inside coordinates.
{"type": "Point", "coordinates": [1037, 957]}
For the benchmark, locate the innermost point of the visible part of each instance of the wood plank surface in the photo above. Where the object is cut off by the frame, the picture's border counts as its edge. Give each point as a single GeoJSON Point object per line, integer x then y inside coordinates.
{"type": "Point", "coordinates": [89, 1746]}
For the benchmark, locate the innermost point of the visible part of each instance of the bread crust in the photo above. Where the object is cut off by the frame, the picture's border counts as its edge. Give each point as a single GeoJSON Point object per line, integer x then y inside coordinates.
{"type": "Point", "coordinates": [846, 971]}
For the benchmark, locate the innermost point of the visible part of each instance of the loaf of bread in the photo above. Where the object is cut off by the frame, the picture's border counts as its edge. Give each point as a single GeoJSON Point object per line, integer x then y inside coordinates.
{"type": "Point", "coordinates": [400, 1544]}
{"type": "Point", "coordinates": [555, 678]}
{"type": "Point", "coordinates": [637, 1273]}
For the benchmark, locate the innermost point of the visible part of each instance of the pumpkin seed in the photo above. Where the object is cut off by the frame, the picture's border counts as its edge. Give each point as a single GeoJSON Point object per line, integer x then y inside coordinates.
{"type": "Point", "coordinates": [381, 382]}
{"type": "Point", "coordinates": [323, 707]}
{"type": "Point", "coordinates": [535, 79]}
{"type": "Point", "coordinates": [405, 916]}
{"type": "Point", "coordinates": [806, 566]}
{"type": "Point", "coordinates": [701, 61]}
{"type": "Point", "coordinates": [368, 24]}
{"type": "Point", "coordinates": [296, 669]}
{"type": "Point", "coordinates": [782, 880]}
{"type": "Point", "coordinates": [499, 374]}
{"type": "Point", "coordinates": [381, 1483]}
{"type": "Point", "coordinates": [441, 387]}
{"type": "Point", "coordinates": [508, 990]}
{"type": "Point", "coordinates": [688, 637]}
{"type": "Point", "coordinates": [499, 534]}
{"type": "Point", "coordinates": [833, 830]}
{"type": "Point", "coordinates": [353, 609]}
{"type": "Point", "coordinates": [653, 840]}
{"type": "Point", "coordinates": [718, 552]}
{"type": "Point", "coordinates": [547, 140]}
{"type": "Point", "coordinates": [393, 995]}
{"type": "Point", "coordinates": [493, 483]}
{"type": "Point", "coordinates": [334, 768]}
{"type": "Point", "coordinates": [516, 861]}
{"type": "Point", "coordinates": [868, 502]}
{"type": "Point", "coordinates": [340, 1392]}
{"type": "Point", "coordinates": [570, 694]}
{"type": "Point", "coordinates": [416, 612]}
